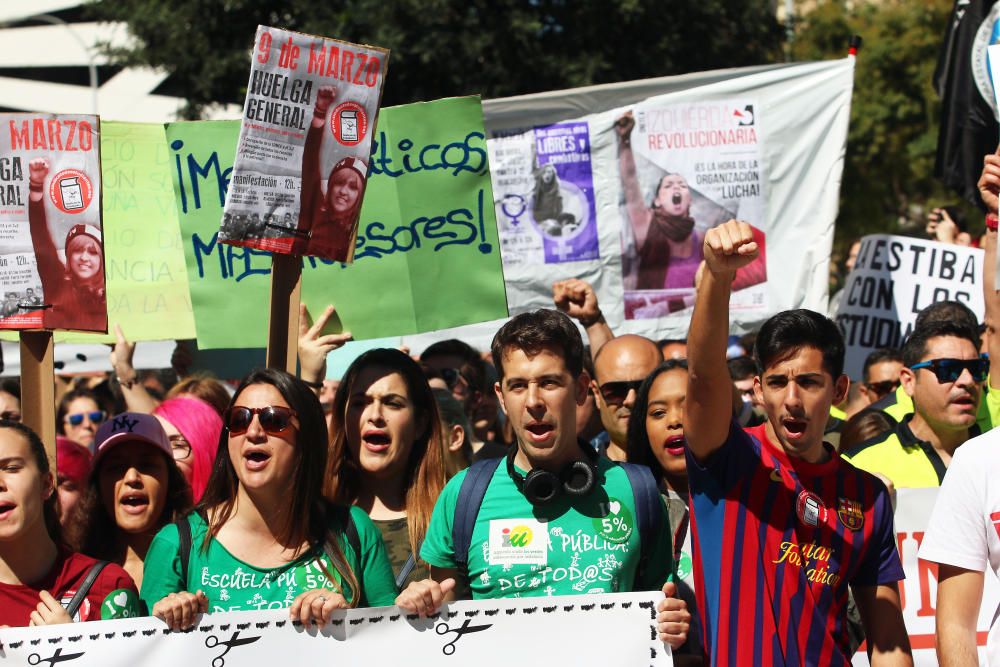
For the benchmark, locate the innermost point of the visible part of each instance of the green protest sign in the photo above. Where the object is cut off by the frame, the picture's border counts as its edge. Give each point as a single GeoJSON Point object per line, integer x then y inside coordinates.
{"type": "Point", "coordinates": [147, 286]}
{"type": "Point", "coordinates": [427, 255]}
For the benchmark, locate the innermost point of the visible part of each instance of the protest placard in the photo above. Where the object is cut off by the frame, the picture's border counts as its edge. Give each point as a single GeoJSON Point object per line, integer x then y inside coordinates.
{"type": "Point", "coordinates": [427, 250]}
{"type": "Point", "coordinates": [583, 630]}
{"type": "Point", "coordinates": [893, 279]}
{"type": "Point", "coordinates": [918, 592]}
{"type": "Point", "coordinates": [617, 184]}
{"type": "Point", "coordinates": [302, 159]}
{"type": "Point", "coordinates": [147, 284]}
{"type": "Point", "coordinates": [52, 263]}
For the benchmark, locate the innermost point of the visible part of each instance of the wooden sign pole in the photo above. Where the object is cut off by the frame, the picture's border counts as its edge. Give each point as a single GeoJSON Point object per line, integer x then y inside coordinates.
{"type": "Point", "coordinates": [38, 394]}
{"type": "Point", "coordinates": [283, 324]}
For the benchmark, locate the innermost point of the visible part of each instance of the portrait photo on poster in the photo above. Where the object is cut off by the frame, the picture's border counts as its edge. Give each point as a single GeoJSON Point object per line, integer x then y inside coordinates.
{"type": "Point", "coordinates": [684, 169]}
{"type": "Point", "coordinates": [52, 267]}
{"type": "Point", "coordinates": [301, 164]}
{"type": "Point", "coordinates": [544, 187]}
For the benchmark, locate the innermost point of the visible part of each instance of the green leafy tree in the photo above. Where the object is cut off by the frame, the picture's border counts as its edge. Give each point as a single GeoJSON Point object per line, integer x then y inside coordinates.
{"type": "Point", "coordinates": [888, 174]}
{"type": "Point", "coordinates": [444, 48]}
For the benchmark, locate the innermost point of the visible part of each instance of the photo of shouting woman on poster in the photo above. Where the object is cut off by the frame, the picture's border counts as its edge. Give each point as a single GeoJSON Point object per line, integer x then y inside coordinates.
{"type": "Point", "coordinates": [73, 293]}
{"type": "Point", "coordinates": [327, 222]}
{"type": "Point", "coordinates": [667, 243]}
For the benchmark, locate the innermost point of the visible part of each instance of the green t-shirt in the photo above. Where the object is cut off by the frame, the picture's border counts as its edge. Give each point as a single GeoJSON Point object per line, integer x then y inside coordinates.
{"type": "Point", "coordinates": [235, 585]}
{"type": "Point", "coordinates": [571, 546]}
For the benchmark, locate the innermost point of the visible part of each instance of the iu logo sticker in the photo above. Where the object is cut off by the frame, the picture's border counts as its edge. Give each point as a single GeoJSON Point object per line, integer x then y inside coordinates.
{"type": "Point", "coordinates": [810, 509]}
{"type": "Point", "coordinates": [850, 514]}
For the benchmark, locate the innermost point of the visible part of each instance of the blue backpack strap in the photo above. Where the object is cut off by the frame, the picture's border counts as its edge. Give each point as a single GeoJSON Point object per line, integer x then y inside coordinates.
{"type": "Point", "coordinates": [470, 499]}
{"type": "Point", "coordinates": [647, 512]}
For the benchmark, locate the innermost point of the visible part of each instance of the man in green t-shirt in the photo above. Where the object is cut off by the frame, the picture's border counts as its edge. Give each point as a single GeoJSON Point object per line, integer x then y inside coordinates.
{"type": "Point", "coordinates": [555, 519]}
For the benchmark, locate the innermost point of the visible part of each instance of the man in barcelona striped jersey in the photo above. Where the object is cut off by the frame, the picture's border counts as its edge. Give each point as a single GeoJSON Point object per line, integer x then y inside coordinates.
{"type": "Point", "coordinates": [782, 525]}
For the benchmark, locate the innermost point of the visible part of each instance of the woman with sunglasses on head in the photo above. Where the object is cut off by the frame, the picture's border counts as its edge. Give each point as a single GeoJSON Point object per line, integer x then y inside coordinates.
{"type": "Point", "coordinates": [135, 489]}
{"type": "Point", "coordinates": [42, 582]}
{"type": "Point", "coordinates": [263, 536]}
{"type": "Point", "coordinates": [386, 455]}
{"type": "Point", "coordinates": [78, 416]}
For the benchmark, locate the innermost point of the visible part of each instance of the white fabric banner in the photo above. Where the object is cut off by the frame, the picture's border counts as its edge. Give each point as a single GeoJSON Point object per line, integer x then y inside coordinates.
{"type": "Point", "coordinates": [586, 630]}
{"type": "Point", "coordinates": [893, 279]}
{"type": "Point", "coordinates": [919, 590]}
{"type": "Point", "coordinates": [617, 185]}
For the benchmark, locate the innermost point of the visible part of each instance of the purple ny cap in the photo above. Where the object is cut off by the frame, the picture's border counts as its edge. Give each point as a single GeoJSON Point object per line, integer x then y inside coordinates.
{"type": "Point", "coordinates": [130, 427]}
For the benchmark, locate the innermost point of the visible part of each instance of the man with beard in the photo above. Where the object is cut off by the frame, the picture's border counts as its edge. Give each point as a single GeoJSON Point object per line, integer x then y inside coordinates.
{"type": "Point", "coordinates": [944, 374]}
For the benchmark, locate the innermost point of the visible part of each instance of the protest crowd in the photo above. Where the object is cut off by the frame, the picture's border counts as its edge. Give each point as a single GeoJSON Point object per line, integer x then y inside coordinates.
{"type": "Point", "coordinates": [744, 477]}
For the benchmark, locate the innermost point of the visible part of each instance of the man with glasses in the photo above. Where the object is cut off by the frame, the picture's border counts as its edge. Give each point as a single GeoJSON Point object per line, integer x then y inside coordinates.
{"type": "Point", "coordinates": [881, 374]}
{"type": "Point", "coordinates": [619, 368]}
{"type": "Point", "coordinates": [467, 377]}
{"type": "Point", "coordinates": [944, 375]}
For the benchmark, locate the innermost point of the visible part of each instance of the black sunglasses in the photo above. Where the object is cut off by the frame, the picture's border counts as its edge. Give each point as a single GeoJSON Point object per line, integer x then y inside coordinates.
{"type": "Point", "coordinates": [273, 418]}
{"type": "Point", "coordinates": [615, 393]}
{"type": "Point", "coordinates": [883, 388]}
{"type": "Point", "coordinates": [949, 370]}
{"type": "Point", "coordinates": [452, 376]}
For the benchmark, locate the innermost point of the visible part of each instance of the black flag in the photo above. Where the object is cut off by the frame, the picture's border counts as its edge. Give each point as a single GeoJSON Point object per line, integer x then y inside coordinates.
{"type": "Point", "coordinates": [969, 128]}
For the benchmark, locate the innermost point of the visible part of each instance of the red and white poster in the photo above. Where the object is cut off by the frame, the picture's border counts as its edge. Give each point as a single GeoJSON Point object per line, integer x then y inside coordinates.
{"type": "Point", "coordinates": [918, 591]}
{"type": "Point", "coordinates": [302, 160]}
{"type": "Point", "coordinates": [51, 236]}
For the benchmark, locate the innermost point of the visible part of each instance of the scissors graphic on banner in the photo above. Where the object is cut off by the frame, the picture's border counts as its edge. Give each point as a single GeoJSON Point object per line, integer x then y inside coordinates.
{"type": "Point", "coordinates": [212, 641]}
{"type": "Point", "coordinates": [57, 657]}
{"type": "Point", "coordinates": [443, 629]}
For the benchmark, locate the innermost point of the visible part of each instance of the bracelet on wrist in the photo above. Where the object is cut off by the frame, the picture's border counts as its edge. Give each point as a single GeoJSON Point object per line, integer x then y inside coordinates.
{"type": "Point", "coordinates": [314, 385]}
{"type": "Point", "coordinates": [126, 383]}
{"type": "Point", "coordinates": [991, 222]}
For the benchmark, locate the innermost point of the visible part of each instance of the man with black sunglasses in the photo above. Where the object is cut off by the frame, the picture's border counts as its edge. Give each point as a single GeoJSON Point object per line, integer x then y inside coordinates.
{"type": "Point", "coordinates": [619, 368]}
{"type": "Point", "coordinates": [944, 374]}
{"type": "Point", "coordinates": [881, 374]}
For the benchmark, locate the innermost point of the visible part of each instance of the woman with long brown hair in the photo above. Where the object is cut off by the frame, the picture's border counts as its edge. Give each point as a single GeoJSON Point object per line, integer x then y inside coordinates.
{"type": "Point", "coordinates": [263, 536]}
{"type": "Point", "coordinates": [385, 455]}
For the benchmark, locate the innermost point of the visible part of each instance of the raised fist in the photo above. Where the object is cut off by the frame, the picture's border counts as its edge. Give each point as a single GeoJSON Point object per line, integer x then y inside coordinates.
{"type": "Point", "coordinates": [577, 299]}
{"type": "Point", "coordinates": [729, 247]}
{"type": "Point", "coordinates": [324, 98]}
{"type": "Point", "coordinates": [989, 181]}
{"type": "Point", "coordinates": [624, 126]}
{"type": "Point", "coordinates": [38, 169]}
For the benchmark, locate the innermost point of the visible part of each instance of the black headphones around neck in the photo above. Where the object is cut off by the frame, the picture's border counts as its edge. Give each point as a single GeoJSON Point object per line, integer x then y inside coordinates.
{"type": "Point", "coordinates": [541, 487]}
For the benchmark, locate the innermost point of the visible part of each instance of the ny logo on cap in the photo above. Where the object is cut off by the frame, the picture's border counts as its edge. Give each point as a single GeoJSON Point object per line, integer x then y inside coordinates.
{"type": "Point", "coordinates": [123, 422]}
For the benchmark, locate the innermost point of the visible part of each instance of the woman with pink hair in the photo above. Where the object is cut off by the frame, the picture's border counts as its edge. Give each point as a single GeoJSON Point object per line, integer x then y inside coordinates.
{"type": "Point", "coordinates": [193, 427]}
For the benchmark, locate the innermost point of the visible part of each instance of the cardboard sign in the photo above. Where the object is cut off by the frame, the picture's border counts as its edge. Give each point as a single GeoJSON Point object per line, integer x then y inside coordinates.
{"type": "Point", "coordinates": [582, 630]}
{"type": "Point", "coordinates": [893, 279]}
{"type": "Point", "coordinates": [427, 254]}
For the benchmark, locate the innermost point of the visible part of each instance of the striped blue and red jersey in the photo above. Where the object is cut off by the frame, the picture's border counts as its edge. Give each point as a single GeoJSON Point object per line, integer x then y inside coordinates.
{"type": "Point", "coordinates": [777, 541]}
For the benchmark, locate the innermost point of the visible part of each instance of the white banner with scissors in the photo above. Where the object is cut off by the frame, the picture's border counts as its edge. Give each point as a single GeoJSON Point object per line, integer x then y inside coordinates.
{"type": "Point", "coordinates": [606, 631]}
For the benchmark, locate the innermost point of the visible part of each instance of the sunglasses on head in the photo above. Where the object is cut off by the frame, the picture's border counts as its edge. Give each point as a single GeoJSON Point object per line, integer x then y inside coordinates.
{"type": "Point", "coordinates": [95, 417]}
{"type": "Point", "coordinates": [273, 418]}
{"type": "Point", "coordinates": [11, 415]}
{"type": "Point", "coordinates": [949, 370]}
{"type": "Point", "coordinates": [883, 388]}
{"type": "Point", "coordinates": [615, 393]}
